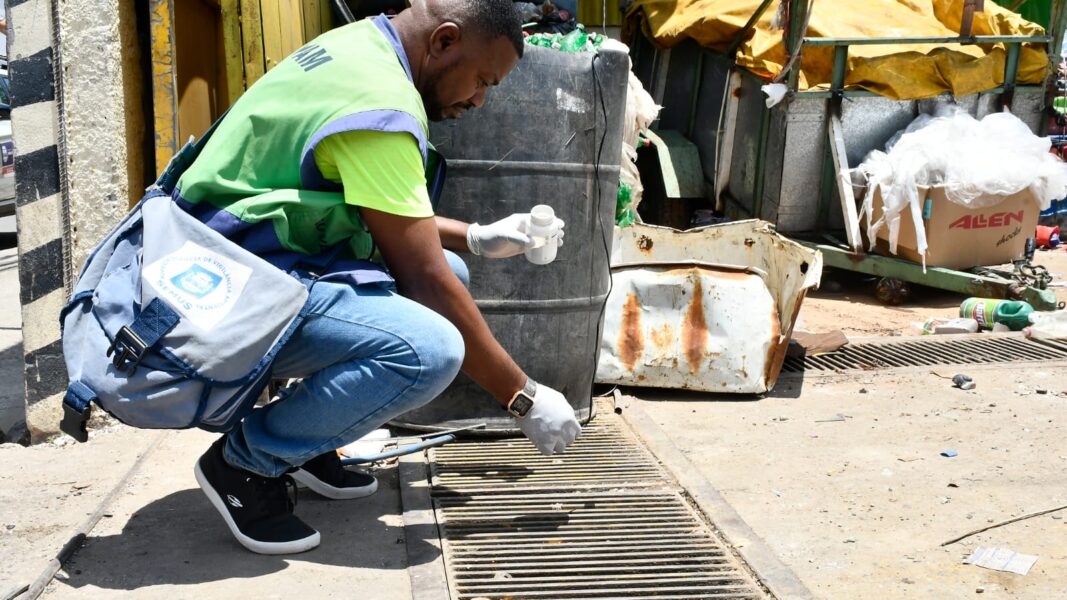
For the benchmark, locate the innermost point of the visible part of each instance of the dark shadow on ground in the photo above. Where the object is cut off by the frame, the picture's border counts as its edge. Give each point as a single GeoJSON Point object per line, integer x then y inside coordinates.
{"type": "Point", "coordinates": [661, 394]}
{"type": "Point", "coordinates": [181, 540]}
{"type": "Point", "coordinates": [12, 394]}
{"type": "Point", "coordinates": [837, 284]}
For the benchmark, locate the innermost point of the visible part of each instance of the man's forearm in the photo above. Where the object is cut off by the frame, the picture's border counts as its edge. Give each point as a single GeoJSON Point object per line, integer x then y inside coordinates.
{"type": "Point", "coordinates": [453, 234]}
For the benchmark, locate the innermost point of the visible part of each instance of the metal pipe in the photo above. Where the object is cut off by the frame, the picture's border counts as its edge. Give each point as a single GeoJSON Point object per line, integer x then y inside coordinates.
{"type": "Point", "coordinates": [1029, 89]}
{"type": "Point", "coordinates": [400, 451]}
{"type": "Point", "coordinates": [731, 51]}
{"type": "Point", "coordinates": [978, 39]}
{"type": "Point", "coordinates": [797, 27]}
{"type": "Point", "coordinates": [342, 9]}
{"type": "Point", "coordinates": [840, 68]}
{"type": "Point", "coordinates": [1011, 71]}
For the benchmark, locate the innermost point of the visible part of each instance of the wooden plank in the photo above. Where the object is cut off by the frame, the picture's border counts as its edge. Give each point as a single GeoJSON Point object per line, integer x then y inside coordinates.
{"type": "Point", "coordinates": [252, 41]}
{"type": "Point", "coordinates": [273, 53]}
{"type": "Point", "coordinates": [201, 74]}
{"type": "Point", "coordinates": [844, 183]}
{"type": "Point", "coordinates": [312, 19]}
{"type": "Point", "coordinates": [164, 81]}
{"type": "Point", "coordinates": [292, 26]}
{"type": "Point", "coordinates": [232, 52]}
{"type": "Point", "coordinates": [326, 20]}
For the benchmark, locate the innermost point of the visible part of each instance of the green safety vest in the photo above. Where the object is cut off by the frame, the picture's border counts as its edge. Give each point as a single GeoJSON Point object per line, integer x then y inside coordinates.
{"type": "Point", "coordinates": [256, 180]}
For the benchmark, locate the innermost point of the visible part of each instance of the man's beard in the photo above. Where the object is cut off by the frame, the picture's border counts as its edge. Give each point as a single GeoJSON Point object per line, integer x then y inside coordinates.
{"type": "Point", "coordinates": [435, 109]}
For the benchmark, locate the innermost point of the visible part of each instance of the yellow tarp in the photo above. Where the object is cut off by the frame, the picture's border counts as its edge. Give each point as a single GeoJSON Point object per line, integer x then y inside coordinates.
{"type": "Point", "coordinates": [900, 72]}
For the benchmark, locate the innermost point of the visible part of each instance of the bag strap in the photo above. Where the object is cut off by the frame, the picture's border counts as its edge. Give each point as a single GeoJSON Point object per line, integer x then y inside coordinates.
{"type": "Point", "coordinates": [129, 347]}
{"type": "Point", "coordinates": [184, 158]}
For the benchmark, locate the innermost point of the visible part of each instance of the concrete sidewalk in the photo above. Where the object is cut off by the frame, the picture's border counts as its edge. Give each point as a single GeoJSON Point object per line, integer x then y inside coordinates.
{"type": "Point", "coordinates": [841, 475]}
{"type": "Point", "coordinates": [160, 538]}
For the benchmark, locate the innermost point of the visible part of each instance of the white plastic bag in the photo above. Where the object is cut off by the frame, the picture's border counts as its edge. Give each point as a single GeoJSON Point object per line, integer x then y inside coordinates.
{"type": "Point", "coordinates": [975, 162]}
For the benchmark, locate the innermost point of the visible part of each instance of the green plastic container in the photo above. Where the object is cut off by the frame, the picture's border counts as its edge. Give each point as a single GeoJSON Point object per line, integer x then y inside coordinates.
{"type": "Point", "coordinates": [987, 311]}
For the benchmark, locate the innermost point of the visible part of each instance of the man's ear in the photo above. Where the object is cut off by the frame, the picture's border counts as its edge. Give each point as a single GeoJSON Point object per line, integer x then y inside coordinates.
{"type": "Point", "coordinates": [443, 38]}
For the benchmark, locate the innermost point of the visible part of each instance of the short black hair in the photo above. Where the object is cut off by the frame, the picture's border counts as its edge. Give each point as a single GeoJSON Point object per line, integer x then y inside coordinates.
{"type": "Point", "coordinates": [493, 19]}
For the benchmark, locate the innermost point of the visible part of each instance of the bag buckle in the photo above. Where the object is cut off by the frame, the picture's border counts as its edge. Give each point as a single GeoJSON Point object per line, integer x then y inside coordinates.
{"type": "Point", "coordinates": [128, 350]}
{"type": "Point", "coordinates": [73, 422]}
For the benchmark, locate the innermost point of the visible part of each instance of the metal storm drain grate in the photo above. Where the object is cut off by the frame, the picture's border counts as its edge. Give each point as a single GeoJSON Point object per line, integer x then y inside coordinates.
{"type": "Point", "coordinates": [928, 351]}
{"type": "Point", "coordinates": [602, 521]}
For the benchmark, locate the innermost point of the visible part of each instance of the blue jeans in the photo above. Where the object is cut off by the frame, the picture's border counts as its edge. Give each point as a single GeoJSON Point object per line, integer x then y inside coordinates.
{"type": "Point", "coordinates": [367, 355]}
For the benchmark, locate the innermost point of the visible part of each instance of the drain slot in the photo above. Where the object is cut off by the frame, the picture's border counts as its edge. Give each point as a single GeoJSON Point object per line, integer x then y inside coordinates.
{"type": "Point", "coordinates": [929, 352]}
{"type": "Point", "coordinates": [602, 521]}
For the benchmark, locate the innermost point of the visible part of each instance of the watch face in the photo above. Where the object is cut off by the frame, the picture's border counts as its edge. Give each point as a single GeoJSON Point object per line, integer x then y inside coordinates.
{"type": "Point", "coordinates": [521, 405]}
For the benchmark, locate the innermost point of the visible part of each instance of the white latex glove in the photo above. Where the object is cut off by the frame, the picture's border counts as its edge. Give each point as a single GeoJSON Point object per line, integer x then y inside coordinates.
{"type": "Point", "coordinates": [504, 238]}
{"type": "Point", "coordinates": [550, 424]}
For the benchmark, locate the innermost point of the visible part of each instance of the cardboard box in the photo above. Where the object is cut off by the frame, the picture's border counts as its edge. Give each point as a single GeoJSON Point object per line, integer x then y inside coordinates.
{"type": "Point", "coordinates": [960, 238]}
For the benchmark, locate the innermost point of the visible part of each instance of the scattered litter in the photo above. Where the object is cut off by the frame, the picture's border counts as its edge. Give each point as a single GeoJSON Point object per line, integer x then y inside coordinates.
{"type": "Point", "coordinates": [836, 419]}
{"type": "Point", "coordinates": [780, 419]}
{"type": "Point", "coordinates": [1001, 559]}
{"type": "Point", "coordinates": [953, 485]}
{"type": "Point", "coordinates": [1009, 521]}
{"type": "Point", "coordinates": [909, 458]}
{"type": "Point", "coordinates": [1041, 391]}
{"type": "Point", "coordinates": [979, 590]}
{"type": "Point", "coordinates": [775, 93]}
{"type": "Point", "coordinates": [949, 453]}
{"type": "Point", "coordinates": [907, 580]}
{"type": "Point", "coordinates": [814, 344]}
{"type": "Point", "coordinates": [850, 541]}
{"type": "Point", "coordinates": [963, 382]}
{"type": "Point", "coordinates": [941, 326]}
{"type": "Point", "coordinates": [372, 443]}
{"type": "Point", "coordinates": [777, 493]}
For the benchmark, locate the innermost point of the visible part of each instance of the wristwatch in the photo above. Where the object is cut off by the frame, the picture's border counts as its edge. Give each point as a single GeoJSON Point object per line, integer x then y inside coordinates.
{"type": "Point", "coordinates": [523, 400]}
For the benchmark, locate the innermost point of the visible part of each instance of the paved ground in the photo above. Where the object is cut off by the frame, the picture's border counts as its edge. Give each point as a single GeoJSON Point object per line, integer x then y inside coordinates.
{"type": "Point", "coordinates": [862, 504]}
{"type": "Point", "coordinates": [161, 538]}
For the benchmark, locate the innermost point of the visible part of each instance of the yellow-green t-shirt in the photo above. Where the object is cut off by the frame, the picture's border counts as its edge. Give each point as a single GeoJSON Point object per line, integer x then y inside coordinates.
{"type": "Point", "coordinates": [378, 170]}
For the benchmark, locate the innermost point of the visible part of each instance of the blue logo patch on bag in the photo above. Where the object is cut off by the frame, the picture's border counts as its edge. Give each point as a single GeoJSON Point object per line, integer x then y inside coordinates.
{"type": "Point", "coordinates": [197, 281]}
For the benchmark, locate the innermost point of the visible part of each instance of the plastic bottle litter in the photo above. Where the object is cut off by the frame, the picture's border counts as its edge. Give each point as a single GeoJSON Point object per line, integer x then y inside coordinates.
{"type": "Point", "coordinates": [544, 233]}
{"type": "Point", "coordinates": [1050, 325]}
{"type": "Point", "coordinates": [1048, 237]}
{"type": "Point", "coordinates": [940, 326]}
{"type": "Point", "coordinates": [1015, 314]}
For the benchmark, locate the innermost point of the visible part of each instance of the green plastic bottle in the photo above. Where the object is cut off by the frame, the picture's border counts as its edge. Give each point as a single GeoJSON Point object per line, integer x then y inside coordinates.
{"type": "Point", "coordinates": [987, 311]}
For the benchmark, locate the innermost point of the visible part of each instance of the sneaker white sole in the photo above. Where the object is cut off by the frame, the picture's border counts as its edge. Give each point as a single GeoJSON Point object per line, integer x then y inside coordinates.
{"type": "Point", "coordinates": [333, 493]}
{"type": "Point", "coordinates": [293, 547]}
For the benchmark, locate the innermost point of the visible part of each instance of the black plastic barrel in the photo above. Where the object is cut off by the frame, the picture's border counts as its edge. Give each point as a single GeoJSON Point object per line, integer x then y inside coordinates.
{"type": "Point", "coordinates": [551, 133]}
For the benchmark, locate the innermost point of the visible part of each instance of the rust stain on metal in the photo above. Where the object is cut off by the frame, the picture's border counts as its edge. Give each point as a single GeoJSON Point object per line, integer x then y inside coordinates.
{"type": "Point", "coordinates": [631, 339]}
{"type": "Point", "coordinates": [663, 337]}
{"type": "Point", "coordinates": [695, 328]}
{"type": "Point", "coordinates": [644, 244]}
{"type": "Point", "coordinates": [776, 353]}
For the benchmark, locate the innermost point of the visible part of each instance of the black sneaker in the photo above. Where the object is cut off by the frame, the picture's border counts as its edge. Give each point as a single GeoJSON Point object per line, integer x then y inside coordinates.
{"type": "Point", "coordinates": [258, 510]}
{"type": "Point", "coordinates": [326, 476]}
